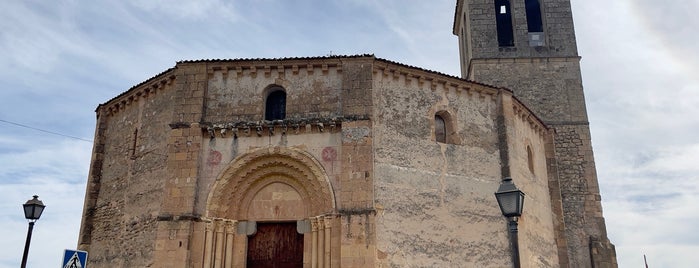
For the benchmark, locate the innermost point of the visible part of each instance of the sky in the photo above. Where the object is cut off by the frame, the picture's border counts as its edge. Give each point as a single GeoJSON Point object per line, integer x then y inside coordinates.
{"type": "Point", "coordinates": [60, 59]}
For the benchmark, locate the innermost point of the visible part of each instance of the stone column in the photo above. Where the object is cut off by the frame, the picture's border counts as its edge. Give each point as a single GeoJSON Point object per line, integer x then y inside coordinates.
{"type": "Point", "coordinates": [321, 241]}
{"type": "Point", "coordinates": [219, 241]}
{"type": "Point", "coordinates": [230, 236]}
{"type": "Point", "coordinates": [314, 239]}
{"type": "Point", "coordinates": [219, 244]}
{"type": "Point", "coordinates": [208, 244]}
{"type": "Point", "coordinates": [240, 250]}
{"type": "Point", "coordinates": [328, 244]}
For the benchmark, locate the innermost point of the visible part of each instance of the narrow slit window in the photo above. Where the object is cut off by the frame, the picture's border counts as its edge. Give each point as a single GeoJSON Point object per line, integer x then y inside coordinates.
{"type": "Point", "coordinates": [275, 108]}
{"type": "Point", "coordinates": [440, 129]}
{"type": "Point", "coordinates": [503, 19]}
{"type": "Point", "coordinates": [134, 143]}
{"type": "Point", "coordinates": [534, 21]}
{"type": "Point", "coordinates": [530, 159]}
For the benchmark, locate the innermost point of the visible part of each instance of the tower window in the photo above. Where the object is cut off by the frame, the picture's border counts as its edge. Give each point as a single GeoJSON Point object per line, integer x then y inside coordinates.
{"type": "Point", "coordinates": [534, 22]}
{"type": "Point", "coordinates": [440, 129]}
{"type": "Point", "coordinates": [275, 106]}
{"type": "Point", "coordinates": [503, 19]}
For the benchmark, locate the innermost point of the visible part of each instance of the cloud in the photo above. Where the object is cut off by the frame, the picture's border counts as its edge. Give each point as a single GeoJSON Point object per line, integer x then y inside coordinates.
{"type": "Point", "coordinates": [188, 9]}
{"type": "Point", "coordinates": [54, 231]}
{"type": "Point", "coordinates": [675, 25]}
{"type": "Point", "coordinates": [32, 164]}
{"type": "Point", "coordinates": [419, 38]}
{"type": "Point", "coordinates": [57, 173]}
{"type": "Point", "coordinates": [29, 38]}
{"type": "Point", "coordinates": [658, 229]}
{"type": "Point", "coordinates": [641, 102]}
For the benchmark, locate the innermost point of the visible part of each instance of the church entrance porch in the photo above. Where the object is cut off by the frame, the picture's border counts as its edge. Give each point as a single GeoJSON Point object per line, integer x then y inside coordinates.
{"type": "Point", "coordinates": [272, 207]}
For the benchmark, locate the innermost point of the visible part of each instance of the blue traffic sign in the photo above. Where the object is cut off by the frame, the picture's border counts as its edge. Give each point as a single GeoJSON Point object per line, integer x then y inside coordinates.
{"type": "Point", "coordinates": [74, 259]}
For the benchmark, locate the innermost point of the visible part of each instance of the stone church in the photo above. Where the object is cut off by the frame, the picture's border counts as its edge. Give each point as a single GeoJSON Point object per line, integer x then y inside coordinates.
{"type": "Point", "coordinates": [355, 161]}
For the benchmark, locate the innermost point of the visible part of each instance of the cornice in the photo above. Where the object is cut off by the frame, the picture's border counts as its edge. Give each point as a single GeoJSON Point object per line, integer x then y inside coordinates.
{"type": "Point", "coordinates": [279, 68]}
{"type": "Point", "coordinates": [271, 128]}
{"type": "Point", "coordinates": [527, 116]}
{"type": "Point", "coordinates": [526, 59]}
{"type": "Point", "coordinates": [143, 90]}
{"type": "Point", "coordinates": [434, 80]}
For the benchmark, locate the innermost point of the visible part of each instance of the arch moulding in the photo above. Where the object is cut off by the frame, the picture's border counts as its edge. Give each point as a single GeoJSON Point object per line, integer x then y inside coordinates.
{"type": "Point", "coordinates": [248, 173]}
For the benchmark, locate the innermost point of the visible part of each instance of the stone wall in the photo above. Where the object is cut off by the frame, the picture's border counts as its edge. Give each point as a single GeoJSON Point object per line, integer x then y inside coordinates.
{"type": "Point", "coordinates": [127, 176]}
{"type": "Point", "coordinates": [551, 87]}
{"type": "Point", "coordinates": [237, 92]}
{"type": "Point", "coordinates": [435, 203]}
{"type": "Point", "coordinates": [527, 165]}
{"type": "Point", "coordinates": [359, 134]}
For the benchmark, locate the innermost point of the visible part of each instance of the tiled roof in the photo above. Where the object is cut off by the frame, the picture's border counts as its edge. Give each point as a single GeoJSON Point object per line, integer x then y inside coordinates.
{"type": "Point", "coordinates": [282, 59]}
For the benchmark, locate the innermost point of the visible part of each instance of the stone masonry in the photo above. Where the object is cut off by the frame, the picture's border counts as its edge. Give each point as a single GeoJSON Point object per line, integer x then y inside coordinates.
{"type": "Point", "coordinates": [185, 168]}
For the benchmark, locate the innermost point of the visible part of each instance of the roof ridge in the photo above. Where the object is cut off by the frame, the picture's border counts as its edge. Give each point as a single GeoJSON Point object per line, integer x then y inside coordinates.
{"type": "Point", "coordinates": [283, 58]}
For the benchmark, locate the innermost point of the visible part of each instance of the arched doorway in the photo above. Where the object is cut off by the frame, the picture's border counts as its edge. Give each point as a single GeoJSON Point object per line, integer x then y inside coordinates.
{"type": "Point", "coordinates": [269, 197]}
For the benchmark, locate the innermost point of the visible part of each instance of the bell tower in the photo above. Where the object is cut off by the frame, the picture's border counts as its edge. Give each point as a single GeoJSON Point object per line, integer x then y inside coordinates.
{"type": "Point", "coordinates": [529, 47]}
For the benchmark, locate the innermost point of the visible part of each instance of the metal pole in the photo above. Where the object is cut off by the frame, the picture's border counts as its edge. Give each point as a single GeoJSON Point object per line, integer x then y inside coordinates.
{"type": "Point", "coordinates": [26, 245]}
{"type": "Point", "coordinates": [645, 261]}
{"type": "Point", "coordinates": [514, 241]}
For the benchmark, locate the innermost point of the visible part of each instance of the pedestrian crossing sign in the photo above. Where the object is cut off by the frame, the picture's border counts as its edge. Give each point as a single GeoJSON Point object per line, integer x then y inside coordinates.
{"type": "Point", "coordinates": [74, 259]}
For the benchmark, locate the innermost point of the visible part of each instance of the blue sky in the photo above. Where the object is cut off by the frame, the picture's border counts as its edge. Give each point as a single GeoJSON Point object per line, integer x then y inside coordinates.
{"type": "Point", "coordinates": [62, 58]}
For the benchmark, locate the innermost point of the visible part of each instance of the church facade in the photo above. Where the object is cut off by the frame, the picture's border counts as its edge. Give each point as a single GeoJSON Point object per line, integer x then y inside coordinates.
{"type": "Point", "coordinates": [352, 161]}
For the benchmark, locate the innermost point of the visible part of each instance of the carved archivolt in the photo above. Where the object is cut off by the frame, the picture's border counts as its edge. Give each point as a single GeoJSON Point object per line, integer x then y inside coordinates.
{"type": "Point", "coordinates": [247, 174]}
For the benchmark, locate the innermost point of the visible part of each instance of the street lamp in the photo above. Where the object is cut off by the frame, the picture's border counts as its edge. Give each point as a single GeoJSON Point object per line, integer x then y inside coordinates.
{"type": "Point", "coordinates": [511, 201]}
{"type": "Point", "coordinates": [32, 211]}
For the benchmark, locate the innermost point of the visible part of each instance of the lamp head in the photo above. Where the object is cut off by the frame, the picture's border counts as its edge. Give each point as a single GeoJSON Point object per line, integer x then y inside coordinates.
{"type": "Point", "coordinates": [510, 199]}
{"type": "Point", "coordinates": [33, 209]}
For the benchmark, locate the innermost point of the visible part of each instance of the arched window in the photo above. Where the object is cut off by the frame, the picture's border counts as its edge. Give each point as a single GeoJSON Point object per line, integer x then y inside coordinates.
{"type": "Point", "coordinates": [440, 129]}
{"type": "Point", "coordinates": [275, 106]}
{"type": "Point", "coordinates": [503, 19]}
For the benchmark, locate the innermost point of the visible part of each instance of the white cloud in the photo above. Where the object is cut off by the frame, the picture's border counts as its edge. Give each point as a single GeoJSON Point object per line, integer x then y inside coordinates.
{"type": "Point", "coordinates": [641, 103]}
{"type": "Point", "coordinates": [56, 229]}
{"type": "Point", "coordinates": [57, 173]}
{"type": "Point", "coordinates": [188, 9]}
{"type": "Point", "coordinates": [675, 25]}
{"type": "Point", "coordinates": [65, 161]}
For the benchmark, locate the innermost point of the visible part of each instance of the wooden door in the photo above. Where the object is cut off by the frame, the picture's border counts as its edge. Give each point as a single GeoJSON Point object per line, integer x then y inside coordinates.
{"type": "Point", "coordinates": [275, 245]}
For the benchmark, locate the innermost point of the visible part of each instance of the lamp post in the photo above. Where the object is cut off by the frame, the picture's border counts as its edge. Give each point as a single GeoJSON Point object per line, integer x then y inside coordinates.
{"type": "Point", "coordinates": [32, 211]}
{"type": "Point", "coordinates": [511, 201]}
